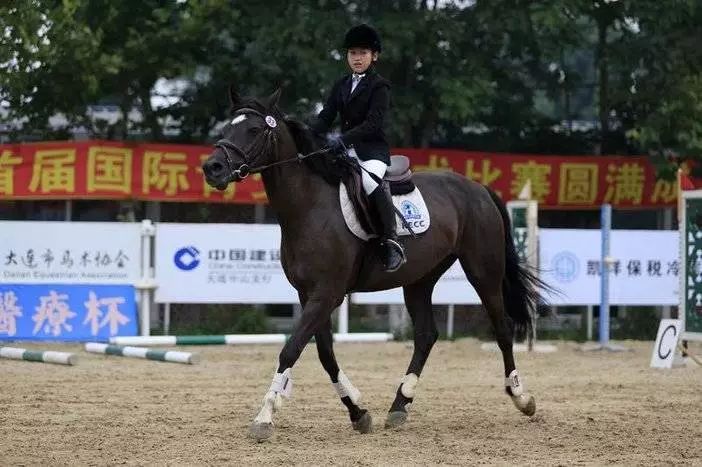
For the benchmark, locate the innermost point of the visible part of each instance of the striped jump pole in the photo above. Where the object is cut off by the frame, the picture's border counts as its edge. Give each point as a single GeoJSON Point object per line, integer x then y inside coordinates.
{"type": "Point", "coordinates": [241, 339]}
{"type": "Point", "coordinates": [141, 352]}
{"type": "Point", "coordinates": [364, 337]}
{"type": "Point", "coordinates": [47, 356]}
{"type": "Point", "coordinates": [232, 339]}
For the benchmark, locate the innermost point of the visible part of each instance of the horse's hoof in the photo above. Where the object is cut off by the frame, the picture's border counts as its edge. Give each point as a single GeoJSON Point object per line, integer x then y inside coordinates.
{"type": "Point", "coordinates": [531, 407]}
{"type": "Point", "coordinates": [261, 431]}
{"type": "Point", "coordinates": [526, 406]}
{"type": "Point", "coordinates": [364, 424]}
{"type": "Point", "coordinates": [395, 419]}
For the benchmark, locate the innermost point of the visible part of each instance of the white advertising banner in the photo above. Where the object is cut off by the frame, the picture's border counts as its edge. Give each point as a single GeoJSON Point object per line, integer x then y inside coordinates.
{"type": "Point", "coordinates": [69, 252]}
{"type": "Point", "coordinates": [452, 289]}
{"type": "Point", "coordinates": [645, 269]}
{"type": "Point", "coordinates": [220, 263]}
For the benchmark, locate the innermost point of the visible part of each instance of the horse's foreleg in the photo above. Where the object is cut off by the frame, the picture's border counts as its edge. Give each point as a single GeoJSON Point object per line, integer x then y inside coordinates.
{"type": "Point", "coordinates": [316, 311]}
{"type": "Point", "coordinates": [418, 302]}
{"type": "Point", "coordinates": [350, 396]}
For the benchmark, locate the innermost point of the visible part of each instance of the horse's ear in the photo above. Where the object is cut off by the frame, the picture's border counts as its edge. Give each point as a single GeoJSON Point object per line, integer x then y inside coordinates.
{"type": "Point", "coordinates": [234, 97]}
{"type": "Point", "coordinates": [274, 98]}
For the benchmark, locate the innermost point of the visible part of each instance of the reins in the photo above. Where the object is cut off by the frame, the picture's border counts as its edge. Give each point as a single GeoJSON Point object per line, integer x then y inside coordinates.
{"type": "Point", "coordinates": [260, 144]}
{"type": "Point", "coordinates": [267, 136]}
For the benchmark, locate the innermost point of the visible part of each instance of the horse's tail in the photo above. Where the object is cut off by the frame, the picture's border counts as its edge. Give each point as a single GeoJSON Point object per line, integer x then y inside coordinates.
{"type": "Point", "coordinates": [520, 285]}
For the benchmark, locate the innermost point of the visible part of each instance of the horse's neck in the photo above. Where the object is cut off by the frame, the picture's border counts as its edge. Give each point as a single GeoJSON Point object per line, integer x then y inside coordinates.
{"type": "Point", "coordinates": [296, 193]}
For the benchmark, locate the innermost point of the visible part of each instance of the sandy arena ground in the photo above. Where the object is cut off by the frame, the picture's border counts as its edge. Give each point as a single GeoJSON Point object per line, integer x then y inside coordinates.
{"type": "Point", "coordinates": [592, 408]}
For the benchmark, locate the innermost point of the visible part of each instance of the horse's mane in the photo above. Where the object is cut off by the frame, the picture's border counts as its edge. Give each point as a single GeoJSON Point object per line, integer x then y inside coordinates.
{"type": "Point", "coordinates": [305, 140]}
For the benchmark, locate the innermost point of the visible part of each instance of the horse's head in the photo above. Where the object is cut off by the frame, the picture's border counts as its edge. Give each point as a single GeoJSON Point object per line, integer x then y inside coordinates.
{"type": "Point", "coordinates": [249, 140]}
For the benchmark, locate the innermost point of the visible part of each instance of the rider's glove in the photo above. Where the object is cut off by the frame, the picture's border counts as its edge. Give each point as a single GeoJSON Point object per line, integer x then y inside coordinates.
{"type": "Point", "coordinates": [335, 144]}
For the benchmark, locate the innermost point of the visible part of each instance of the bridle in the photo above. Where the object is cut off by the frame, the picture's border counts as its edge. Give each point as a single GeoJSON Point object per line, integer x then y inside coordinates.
{"type": "Point", "coordinates": [264, 142]}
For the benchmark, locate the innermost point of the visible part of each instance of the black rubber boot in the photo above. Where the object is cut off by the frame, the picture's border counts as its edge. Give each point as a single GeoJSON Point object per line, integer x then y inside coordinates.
{"type": "Point", "coordinates": [394, 253]}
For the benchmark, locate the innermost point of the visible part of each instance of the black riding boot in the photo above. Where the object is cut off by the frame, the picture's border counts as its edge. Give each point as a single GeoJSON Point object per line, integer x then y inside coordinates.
{"type": "Point", "coordinates": [394, 253]}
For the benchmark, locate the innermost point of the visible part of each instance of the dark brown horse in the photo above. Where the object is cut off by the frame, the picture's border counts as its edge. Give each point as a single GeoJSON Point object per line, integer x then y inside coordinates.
{"type": "Point", "coordinates": [324, 261]}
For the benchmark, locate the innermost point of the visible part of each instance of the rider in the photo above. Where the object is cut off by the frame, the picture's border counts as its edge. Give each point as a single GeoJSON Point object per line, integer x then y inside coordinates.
{"type": "Point", "coordinates": [362, 99]}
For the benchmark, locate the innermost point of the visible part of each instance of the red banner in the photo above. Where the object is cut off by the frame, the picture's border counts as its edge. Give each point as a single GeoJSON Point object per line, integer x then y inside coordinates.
{"type": "Point", "coordinates": [167, 172]}
{"type": "Point", "coordinates": [557, 181]}
{"type": "Point", "coordinates": [110, 170]}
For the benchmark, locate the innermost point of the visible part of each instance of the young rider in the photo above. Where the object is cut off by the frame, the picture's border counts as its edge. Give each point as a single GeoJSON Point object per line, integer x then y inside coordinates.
{"type": "Point", "coordinates": [362, 99]}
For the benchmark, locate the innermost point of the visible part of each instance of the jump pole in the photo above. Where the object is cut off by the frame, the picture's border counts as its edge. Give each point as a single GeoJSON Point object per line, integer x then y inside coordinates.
{"type": "Point", "coordinates": [241, 339]}
{"type": "Point", "coordinates": [232, 339]}
{"type": "Point", "coordinates": [364, 337]}
{"type": "Point", "coordinates": [61, 358]}
{"type": "Point", "coordinates": [141, 352]}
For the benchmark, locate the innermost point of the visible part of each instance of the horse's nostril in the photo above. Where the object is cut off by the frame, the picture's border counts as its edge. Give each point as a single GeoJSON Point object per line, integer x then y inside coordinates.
{"type": "Point", "coordinates": [212, 168]}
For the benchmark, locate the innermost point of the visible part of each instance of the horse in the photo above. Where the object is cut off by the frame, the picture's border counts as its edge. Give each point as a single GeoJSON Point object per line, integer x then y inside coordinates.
{"type": "Point", "coordinates": [324, 261]}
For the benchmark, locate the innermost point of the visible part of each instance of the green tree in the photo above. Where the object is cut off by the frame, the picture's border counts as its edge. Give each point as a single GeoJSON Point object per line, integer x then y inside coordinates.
{"type": "Point", "coordinates": [666, 98]}
{"type": "Point", "coordinates": [62, 56]}
{"type": "Point", "coordinates": [498, 74]}
{"type": "Point", "coordinates": [47, 63]}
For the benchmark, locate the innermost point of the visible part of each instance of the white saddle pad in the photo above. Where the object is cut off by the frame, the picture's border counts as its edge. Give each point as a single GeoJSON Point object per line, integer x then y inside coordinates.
{"type": "Point", "coordinates": [411, 205]}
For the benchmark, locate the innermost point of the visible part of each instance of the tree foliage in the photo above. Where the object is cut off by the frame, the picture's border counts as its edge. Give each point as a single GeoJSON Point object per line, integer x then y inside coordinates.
{"type": "Point", "coordinates": [575, 76]}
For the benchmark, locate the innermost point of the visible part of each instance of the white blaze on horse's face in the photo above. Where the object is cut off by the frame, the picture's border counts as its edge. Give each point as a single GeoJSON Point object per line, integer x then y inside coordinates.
{"type": "Point", "coordinates": [238, 119]}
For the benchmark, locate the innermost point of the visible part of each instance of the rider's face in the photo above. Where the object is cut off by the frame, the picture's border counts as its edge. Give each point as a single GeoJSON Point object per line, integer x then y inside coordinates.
{"type": "Point", "coordinates": [360, 59]}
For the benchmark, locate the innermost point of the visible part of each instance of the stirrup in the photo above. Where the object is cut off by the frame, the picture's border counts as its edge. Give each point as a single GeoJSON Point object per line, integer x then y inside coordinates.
{"type": "Point", "coordinates": [399, 249]}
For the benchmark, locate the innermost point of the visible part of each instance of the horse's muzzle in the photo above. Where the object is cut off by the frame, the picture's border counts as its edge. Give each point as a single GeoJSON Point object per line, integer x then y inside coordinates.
{"type": "Point", "coordinates": [216, 174]}
{"type": "Point", "coordinates": [212, 168]}
{"type": "Point", "coordinates": [220, 185]}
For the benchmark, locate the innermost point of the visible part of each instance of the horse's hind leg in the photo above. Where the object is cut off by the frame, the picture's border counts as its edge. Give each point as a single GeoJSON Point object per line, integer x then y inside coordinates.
{"type": "Point", "coordinates": [350, 396]}
{"type": "Point", "coordinates": [488, 283]}
{"type": "Point", "coordinates": [418, 302]}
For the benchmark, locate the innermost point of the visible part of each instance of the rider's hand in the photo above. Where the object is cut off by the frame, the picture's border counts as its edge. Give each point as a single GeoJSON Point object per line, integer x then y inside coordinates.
{"type": "Point", "coordinates": [335, 144]}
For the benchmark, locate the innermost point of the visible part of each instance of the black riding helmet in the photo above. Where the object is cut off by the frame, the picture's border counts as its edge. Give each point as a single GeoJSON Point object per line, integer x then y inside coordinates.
{"type": "Point", "coordinates": [362, 36]}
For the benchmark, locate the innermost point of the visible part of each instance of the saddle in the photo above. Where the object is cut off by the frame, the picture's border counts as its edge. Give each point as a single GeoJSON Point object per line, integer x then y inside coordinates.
{"type": "Point", "coordinates": [397, 179]}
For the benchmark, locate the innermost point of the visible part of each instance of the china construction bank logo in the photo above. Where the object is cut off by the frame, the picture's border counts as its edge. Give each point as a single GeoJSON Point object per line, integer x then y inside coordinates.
{"type": "Point", "coordinates": [565, 266]}
{"type": "Point", "coordinates": [187, 258]}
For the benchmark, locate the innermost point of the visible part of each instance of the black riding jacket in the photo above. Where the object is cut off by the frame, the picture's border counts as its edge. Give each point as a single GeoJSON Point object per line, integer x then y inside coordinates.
{"type": "Point", "coordinates": [363, 115]}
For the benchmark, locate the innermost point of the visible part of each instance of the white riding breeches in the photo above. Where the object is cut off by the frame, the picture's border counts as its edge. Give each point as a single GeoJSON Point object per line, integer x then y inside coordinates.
{"type": "Point", "coordinates": [376, 167]}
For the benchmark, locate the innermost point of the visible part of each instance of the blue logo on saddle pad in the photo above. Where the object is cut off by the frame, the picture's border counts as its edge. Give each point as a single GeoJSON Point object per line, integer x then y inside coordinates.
{"type": "Point", "coordinates": [410, 211]}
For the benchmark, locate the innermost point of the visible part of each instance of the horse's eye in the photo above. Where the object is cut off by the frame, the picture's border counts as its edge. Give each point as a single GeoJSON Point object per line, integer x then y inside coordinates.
{"type": "Point", "coordinates": [253, 131]}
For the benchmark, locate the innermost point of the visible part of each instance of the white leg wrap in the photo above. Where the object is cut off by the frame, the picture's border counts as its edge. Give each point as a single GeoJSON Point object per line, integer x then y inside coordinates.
{"type": "Point", "coordinates": [344, 388]}
{"type": "Point", "coordinates": [272, 401]}
{"type": "Point", "coordinates": [282, 383]}
{"type": "Point", "coordinates": [514, 382]}
{"type": "Point", "coordinates": [265, 415]}
{"type": "Point", "coordinates": [408, 385]}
